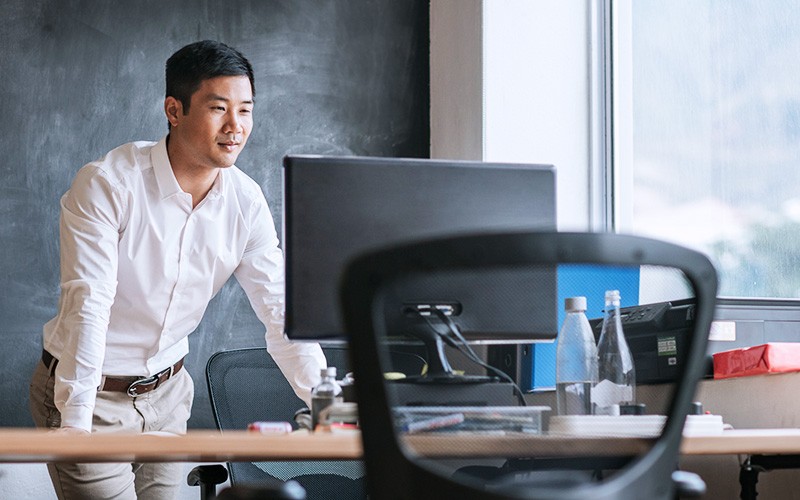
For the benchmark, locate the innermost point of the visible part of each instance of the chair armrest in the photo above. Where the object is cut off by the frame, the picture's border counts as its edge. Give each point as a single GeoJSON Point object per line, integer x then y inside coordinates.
{"type": "Point", "coordinates": [289, 490]}
{"type": "Point", "coordinates": [207, 474]}
{"type": "Point", "coordinates": [688, 484]}
{"type": "Point", "coordinates": [207, 477]}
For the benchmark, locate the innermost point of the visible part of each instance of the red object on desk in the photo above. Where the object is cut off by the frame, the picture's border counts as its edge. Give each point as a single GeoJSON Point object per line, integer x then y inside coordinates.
{"type": "Point", "coordinates": [773, 357]}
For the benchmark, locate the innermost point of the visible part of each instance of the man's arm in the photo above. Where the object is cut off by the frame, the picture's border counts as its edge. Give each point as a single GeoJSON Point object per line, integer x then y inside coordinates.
{"type": "Point", "coordinates": [261, 275]}
{"type": "Point", "coordinates": [89, 236]}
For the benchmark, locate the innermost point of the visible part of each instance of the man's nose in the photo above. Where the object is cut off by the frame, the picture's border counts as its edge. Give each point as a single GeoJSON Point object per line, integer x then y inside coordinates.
{"type": "Point", "coordinates": [233, 123]}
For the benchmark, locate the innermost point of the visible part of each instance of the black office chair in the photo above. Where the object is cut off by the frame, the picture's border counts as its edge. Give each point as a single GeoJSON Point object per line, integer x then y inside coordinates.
{"type": "Point", "coordinates": [589, 463]}
{"type": "Point", "coordinates": [245, 385]}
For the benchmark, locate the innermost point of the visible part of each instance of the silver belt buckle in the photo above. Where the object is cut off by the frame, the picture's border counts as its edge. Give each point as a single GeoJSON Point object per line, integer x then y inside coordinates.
{"type": "Point", "coordinates": [136, 383]}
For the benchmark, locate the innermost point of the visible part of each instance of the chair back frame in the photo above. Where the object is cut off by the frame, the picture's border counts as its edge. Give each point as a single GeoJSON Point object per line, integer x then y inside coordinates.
{"type": "Point", "coordinates": [390, 473]}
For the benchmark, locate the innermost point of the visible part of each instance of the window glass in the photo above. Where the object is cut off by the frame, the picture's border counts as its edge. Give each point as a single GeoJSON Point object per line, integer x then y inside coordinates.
{"type": "Point", "coordinates": [715, 135]}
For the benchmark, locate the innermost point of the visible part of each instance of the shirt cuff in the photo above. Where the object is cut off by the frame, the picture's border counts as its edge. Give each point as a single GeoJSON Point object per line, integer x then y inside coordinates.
{"type": "Point", "coordinates": [77, 416]}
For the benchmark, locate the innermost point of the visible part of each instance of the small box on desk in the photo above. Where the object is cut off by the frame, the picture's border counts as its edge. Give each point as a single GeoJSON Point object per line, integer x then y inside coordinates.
{"type": "Point", "coordinates": [473, 419]}
{"type": "Point", "coordinates": [772, 357]}
{"type": "Point", "coordinates": [646, 426]}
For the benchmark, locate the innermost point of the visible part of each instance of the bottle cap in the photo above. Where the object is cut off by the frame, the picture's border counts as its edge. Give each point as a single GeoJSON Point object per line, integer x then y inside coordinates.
{"type": "Point", "coordinates": [575, 303]}
{"type": "Point", "coordinates": [329, 371]}
{"type": "Point", "coordinates": [612, 295]}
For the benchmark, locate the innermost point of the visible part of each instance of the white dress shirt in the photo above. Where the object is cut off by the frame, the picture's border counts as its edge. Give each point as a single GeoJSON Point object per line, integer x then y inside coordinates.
{"type": "Point", "coordinates": [139, 266]}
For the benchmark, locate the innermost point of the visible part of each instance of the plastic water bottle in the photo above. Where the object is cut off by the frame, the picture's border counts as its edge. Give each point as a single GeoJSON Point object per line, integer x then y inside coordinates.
{"type": "Point", "coordinates": [616, 373]}
{"type": "Point", "coordinates": [324, 394]}
{"type": "Point", "coordinates": [576, 361]}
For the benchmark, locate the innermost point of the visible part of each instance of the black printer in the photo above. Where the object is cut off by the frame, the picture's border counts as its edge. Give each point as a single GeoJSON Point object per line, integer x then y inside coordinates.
{"type": "Point", "coordinates": [657, 335]}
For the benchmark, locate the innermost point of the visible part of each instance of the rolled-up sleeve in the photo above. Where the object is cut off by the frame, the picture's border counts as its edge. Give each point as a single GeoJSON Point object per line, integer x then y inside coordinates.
{"type": "Point", "coordinates": [261, 275]}
{"type": "Point", "coordinates": [91, 214]}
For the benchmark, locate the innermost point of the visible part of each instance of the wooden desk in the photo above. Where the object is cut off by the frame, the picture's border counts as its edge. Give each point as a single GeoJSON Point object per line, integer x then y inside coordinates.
{"type": "Point", "coordinates": [730, 442]}
{"type": "Point", "coordinates": [34, 445]}
{"type": "Point", "coordinates": [744, 442]}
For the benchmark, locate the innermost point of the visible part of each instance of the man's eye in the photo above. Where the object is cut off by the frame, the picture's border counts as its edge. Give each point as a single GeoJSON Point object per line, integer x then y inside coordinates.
{"type": "Point", "coordinates": [218, 108]}
{"type": "Point", "coordinates": [246, 110]}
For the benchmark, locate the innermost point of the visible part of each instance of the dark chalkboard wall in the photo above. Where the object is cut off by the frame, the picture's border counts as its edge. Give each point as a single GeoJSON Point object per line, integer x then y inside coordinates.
{"type": "Point", "coordinates": [78, 78]}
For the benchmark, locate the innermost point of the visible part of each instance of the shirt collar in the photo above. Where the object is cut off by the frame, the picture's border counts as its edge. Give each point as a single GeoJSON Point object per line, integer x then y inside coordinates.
{"type": "Point", "coordinates": [218, 188]}
{"type": "Point", "coordinates": [165, 178]}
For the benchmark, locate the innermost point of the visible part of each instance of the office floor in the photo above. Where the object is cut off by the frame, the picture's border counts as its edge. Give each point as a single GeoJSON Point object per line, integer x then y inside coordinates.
{"type": "Point", "coordinates": [31, 482]}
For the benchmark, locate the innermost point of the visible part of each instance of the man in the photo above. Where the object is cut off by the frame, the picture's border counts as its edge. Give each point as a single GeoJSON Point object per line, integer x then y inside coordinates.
{"type": "Point", "coordinates": [149, 234]}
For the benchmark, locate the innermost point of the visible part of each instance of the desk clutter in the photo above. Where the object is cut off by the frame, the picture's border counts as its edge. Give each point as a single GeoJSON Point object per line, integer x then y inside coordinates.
{"type": "Point", "coordinates": [335, 411]}
{"type": "Point", "coordinates": [497, 420]}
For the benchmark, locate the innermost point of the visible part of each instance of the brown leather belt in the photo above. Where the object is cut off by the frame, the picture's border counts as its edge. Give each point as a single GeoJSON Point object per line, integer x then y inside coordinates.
{"type": "Point", "coordinates": [132, 386]}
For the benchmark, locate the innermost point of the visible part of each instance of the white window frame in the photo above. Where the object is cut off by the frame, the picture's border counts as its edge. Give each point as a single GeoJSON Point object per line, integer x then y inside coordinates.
{"type": "Point", "coordinates": [510, 81]}
{"type": "Point", "coordinates": [619, 29]}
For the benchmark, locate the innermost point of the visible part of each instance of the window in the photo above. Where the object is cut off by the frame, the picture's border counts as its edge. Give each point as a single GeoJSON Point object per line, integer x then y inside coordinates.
{"type": "Point", "coordinates": [707, 134]}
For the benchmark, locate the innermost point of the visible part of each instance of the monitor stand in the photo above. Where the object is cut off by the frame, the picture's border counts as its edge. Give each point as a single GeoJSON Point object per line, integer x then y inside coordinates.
{"type": "Point", "coordinates": [439, 369]}
{"type": "Point", "coordinates": [441, 386]}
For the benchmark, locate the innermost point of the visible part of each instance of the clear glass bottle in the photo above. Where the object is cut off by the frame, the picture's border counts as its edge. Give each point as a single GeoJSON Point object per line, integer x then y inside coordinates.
{"type": "Point", "coordinates": [576, 361]}
{"type": "Point", "coordinates": [616, 373]}
{"type": "Point", "coordinates": [324, 394]}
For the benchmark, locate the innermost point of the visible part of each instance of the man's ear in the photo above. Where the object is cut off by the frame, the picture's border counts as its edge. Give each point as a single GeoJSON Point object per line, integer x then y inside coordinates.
{"type": "Point", "coordinates": [173, 108]}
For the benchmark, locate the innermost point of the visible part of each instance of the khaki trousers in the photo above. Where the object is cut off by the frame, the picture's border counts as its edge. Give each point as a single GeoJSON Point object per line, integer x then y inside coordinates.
{"type": "Point", "coordinates": [165, 409]}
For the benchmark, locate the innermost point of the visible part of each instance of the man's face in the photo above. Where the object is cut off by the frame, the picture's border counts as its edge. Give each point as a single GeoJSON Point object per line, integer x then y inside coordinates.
{"type": "Point", "coordinates": [219, 121]}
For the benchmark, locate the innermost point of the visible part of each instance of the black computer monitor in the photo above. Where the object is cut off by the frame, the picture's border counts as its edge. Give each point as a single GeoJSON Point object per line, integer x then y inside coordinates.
{"type": "Point", "coordinates": [338, 207]}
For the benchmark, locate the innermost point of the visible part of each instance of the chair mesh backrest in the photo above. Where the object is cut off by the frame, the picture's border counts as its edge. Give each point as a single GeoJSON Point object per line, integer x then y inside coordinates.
{"type": "Point", "coordinates": [245, 385]}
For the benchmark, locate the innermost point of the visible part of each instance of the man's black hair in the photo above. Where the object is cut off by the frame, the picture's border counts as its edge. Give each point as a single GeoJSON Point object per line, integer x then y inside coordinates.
{"type": "Point", "coordinates": [189, 66]}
